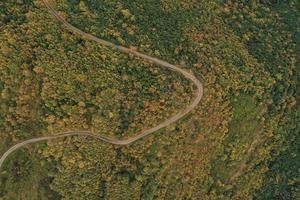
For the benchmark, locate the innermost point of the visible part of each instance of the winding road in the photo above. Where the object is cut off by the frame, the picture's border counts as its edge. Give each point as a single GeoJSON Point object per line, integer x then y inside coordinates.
{"type": "Point", "coordinates": [115, 141]}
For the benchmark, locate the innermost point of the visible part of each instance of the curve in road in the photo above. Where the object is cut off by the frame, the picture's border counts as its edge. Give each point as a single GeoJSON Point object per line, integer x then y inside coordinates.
{"type": "Point", "coordinates": [176, 117]}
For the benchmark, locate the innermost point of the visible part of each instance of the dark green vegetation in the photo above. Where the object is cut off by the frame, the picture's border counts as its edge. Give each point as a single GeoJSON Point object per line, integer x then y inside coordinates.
{"type": "Point", "coordinates": [242, 142]}
{"type": "Point", "coordinates": [17, 182]}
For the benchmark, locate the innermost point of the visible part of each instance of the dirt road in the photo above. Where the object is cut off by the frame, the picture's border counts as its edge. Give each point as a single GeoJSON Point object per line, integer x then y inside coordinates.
{"type": "Point", "coordinates": [176, 117]}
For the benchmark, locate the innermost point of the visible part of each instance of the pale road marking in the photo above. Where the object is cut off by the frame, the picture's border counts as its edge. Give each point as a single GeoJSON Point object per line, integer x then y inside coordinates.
{"type": "Point", "coordinates": [142, 134]}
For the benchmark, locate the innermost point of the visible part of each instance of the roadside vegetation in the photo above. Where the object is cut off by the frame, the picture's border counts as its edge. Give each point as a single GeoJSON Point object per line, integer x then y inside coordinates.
{"type": "Point", "coordinates": [241, 142]}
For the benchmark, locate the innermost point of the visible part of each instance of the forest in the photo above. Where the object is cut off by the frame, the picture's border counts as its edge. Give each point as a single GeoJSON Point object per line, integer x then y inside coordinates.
{"type": "Point", "coordinates": [241, 142]}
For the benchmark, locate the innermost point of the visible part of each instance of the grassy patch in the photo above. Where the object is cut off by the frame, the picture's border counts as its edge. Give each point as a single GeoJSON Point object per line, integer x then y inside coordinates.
{"type": "Point", "coordinates": [25, 176]}
{"type": "Point", "coordinates": [243, 128]}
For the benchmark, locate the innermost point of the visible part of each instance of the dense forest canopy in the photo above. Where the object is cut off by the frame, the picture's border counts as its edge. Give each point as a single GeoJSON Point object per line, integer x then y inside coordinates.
{"type": "Point", "coordinates": [241, 142]}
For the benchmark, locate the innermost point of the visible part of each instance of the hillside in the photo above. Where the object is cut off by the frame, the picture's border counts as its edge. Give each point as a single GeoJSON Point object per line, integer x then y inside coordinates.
{"type": "Point", "coordinates": [241, 142]}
